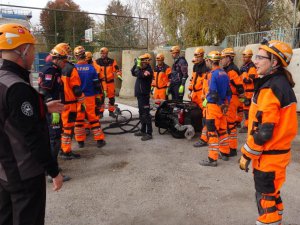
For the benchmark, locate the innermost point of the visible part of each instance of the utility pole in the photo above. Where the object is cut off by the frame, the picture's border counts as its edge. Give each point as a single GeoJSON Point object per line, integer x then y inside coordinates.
{"type": "Point", "coordinates": [294, 22]}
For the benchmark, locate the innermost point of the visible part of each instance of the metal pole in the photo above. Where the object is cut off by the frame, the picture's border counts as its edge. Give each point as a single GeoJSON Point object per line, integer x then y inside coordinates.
{"type": "Point", "coordinates": [55, 28]}
{"type": "Point", "coordinates": [147, 34]}
{"type": "Point", "coordinates": [73, 31]}
{"type": "Point", "coordinates": [294, 23]}
{"type": "Point", "coordinates": [105, 30]}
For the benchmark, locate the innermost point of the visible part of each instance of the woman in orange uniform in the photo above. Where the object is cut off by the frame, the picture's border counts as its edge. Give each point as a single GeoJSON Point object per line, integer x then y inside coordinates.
{"type": "Point", "coordinates": [272, 127]}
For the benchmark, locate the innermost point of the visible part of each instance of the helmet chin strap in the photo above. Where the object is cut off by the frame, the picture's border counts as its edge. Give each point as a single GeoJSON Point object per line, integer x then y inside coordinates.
{"type": "Point", "coordinates": [271, 68]}
{"type": "Point", "coordinates": [23, 54]}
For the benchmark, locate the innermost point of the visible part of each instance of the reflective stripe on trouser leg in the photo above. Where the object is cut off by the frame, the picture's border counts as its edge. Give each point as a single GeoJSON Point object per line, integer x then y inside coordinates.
{"type": "Point", "coordinates": [224, 142]}
{"type": "Point", "coordinates": [213, 145]}
{"type": "Point", "coordinates": [233, 142]}
{"type": "Point", "coordinates": [267, 210]}
{"type": "Point", "coordinates": [204, 134]}
{"type": "Point", "coordinates": [97, 131]}
{"type": "Point", "coordinates": [79, 129]}
{"type": "Point", "coordinates": [66, 139]}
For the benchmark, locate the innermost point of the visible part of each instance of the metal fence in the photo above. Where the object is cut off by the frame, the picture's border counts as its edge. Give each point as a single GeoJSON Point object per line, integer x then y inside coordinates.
{"type": "Point", "coordinates": [291, 36]}
{"type": "Point", "coordinates": [92, 30]}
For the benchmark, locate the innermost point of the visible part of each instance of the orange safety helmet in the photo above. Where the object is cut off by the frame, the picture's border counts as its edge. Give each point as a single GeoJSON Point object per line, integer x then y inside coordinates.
{"type": "Point", "coordinates": [104, 50]}
{"type": "Point", "coordinates": [160, 57]}
{"type": "Point", "coordinates": [248, 53]}
{"type": "Point", "coordinates": [61, 50]}
{"type": "Point", "coordinates": [282, 50]}
{"type": "Point", "coordinates": [79, 51]}
{"type": "Point", "coordinates": [227, 52]}
{"type": "Point", "coordinates": [12, 35]}
{"type": "Point", "coordinates": [145, 58]}
{"type": "Point", "coordinates": [199, 52]}
{"type": "Point", "coordinates": [88, 55]}
{"type": "Point", "coordinates": [175, 49]}
{"type": "Point", "coordinates": [147, 55]}
{"type": "Point", "coordinates": [214, 56]}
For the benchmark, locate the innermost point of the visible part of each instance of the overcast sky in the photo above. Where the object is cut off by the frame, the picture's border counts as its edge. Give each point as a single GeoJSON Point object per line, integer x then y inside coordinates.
{"type": "Point", "coordinates": [96, 6]}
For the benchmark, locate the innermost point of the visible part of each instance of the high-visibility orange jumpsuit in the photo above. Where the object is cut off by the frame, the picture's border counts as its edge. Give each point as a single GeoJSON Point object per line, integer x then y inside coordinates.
{"type": "Point", "coordinates": [196, 83]}
{"type": "Point", "coordinates": [90, 86]}
{"type": "Point", "coordinates": [249, 73]}
{"type": "Point", "coordinates": [99, 105]}
{"type": "Point", "coordinates": [72, 99]}
{"type": "Point", "coordinates": [237, 89]}
{"type": "Point", "coordinates": [272, 127]}
{"type": "Point", "coordinates": [205, 90]}
{"type": "Point", "coordinates": [108, 69]}
{"type": "Point", "coordinates": [219, 93]}
{"type": "Point", "coordinates": [161, 81]}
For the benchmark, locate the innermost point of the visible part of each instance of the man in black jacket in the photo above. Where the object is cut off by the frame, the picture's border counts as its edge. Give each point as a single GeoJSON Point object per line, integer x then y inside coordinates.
{"type": "Point", "coordinates": [24, 139]}
{"type": "Point", "coordinates": [144, 74]}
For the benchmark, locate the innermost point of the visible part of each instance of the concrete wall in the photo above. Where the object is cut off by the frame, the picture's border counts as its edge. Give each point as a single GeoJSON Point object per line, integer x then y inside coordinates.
{"type": "Point", "coordinates": [294, 68]}
{"type": "Point", "coordinates": [128, 56]}
{"type": "Point", "coordinates": [117, 55]}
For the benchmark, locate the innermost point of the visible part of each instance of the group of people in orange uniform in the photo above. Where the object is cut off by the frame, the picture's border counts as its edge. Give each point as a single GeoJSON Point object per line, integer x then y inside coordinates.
{"type": "Point", "coordinates": [82, 88]}
{"type": "Point", "coordinates": [258, 98]}
{"type": "Point", "coordinates": [260, 95]}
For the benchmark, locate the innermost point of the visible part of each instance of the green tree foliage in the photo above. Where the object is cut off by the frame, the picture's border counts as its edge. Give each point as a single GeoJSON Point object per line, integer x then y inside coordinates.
{"type": "Point", "coordinates": [194, 22]}
{"type": "Point", "coordinates": [60, 26]}
{"type": "Point", "coordinates": [119, 31]}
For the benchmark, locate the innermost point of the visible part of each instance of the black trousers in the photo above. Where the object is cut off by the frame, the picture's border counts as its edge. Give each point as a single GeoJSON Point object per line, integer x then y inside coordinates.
{"type": "Point", "coordinates": [174, 91]}
{"type": "Point", "coordinates": [55, 137]}
{"type": "Point", "coordinates": [144, 112]}
{"type": "Point", "coordinates": [23, 203]}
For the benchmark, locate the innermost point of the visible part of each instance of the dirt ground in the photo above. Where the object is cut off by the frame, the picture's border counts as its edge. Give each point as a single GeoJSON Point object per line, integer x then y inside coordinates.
{"type": "Point", "coordinates": [159, 182]}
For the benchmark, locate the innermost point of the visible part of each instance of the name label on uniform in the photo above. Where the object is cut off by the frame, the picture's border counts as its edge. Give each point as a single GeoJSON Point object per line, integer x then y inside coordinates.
{"type": "Point", "coordinates": [86, 68]}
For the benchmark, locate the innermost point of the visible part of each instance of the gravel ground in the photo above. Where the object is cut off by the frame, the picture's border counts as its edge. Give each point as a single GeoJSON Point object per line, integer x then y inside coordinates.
{"type": "Point", "coordinates": [159, 182]}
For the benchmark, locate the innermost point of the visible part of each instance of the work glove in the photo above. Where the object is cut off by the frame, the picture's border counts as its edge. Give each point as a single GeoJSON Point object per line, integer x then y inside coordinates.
{"type": "Point", "coordinates": [224, 108]}
{"type": "Point", "coordinates": [204, 103]}
{"type": "Point", "coordinates": [181, 89]}
{"type": "Point", "coordinates": [152, 90]}
{"type": "Point", "coordinates": [83, 107]}
{"type": "Point", "coordinates": [104, 94]}
{"type": "Point", "coordinates": [120, 75]}
{"type": "Point", "coordinates": [139, 63]}
{"type": "Point", "coordinates": [241, 99]}
{"type": "Point", "coordinates": [244, 163]}
{"type": "Point", "coordinates": [55, 118]}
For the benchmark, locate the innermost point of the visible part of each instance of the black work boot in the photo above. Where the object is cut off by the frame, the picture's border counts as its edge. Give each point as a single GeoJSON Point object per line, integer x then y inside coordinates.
{"type": "Point", "coordinates": [209, 162]}
{"type": "Point", "coordinates": [112, 114]}
{"type": "Point", "coordinates": [100, 143]}
{"type": "Point", "coordinates": [146, 137]}
{"type": "Point", "coordinates": [80, 144]}
{"type": "Point", "coordinates": [233, 152]}
{"type": "Point", "coordinates": [200, 143]}
{"type": "Point", "coordinates": [139, 134]}
{"type": "Point", "coordinates": [70, 155]}
{"type": "Point", "coordinates": [101, 115]}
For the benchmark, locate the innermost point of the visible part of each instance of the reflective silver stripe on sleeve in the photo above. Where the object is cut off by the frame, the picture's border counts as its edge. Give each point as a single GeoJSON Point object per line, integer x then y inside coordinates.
{"type": "Point", "coordinates": [251, 151]}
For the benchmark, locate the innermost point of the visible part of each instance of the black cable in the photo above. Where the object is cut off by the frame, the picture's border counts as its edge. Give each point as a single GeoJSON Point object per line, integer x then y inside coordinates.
{"type": "Point", "coordinates": [122, 124]}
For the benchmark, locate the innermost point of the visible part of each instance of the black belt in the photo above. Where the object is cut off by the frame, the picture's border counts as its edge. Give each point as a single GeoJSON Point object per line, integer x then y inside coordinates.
{"type": "Point", "coordinates": [249, 90]}
{"type": "Point", "coordinates": [70, 102]}
{"type": "Point", "coordinates": [275, 152]}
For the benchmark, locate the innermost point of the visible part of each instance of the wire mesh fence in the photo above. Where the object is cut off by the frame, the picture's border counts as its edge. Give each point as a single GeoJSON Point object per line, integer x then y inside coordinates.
{"type": "Point", "coordinates": [291, 36]}
{"type": "Point", "coordinates": [92, 30]}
